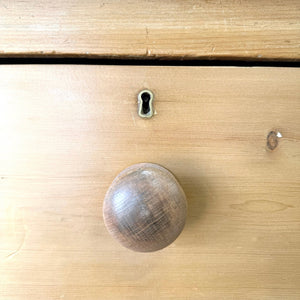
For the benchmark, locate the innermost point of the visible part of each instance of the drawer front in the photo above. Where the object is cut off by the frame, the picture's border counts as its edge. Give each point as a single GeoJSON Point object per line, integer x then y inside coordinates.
{"type": "Point", "coordinates": [230, 136]}
{"type": "Point", "coordinates": [255, 30]}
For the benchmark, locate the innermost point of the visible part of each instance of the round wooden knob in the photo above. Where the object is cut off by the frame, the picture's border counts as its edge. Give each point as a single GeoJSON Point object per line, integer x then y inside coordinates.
{"type": "Point", "coordinates": [145, 208]}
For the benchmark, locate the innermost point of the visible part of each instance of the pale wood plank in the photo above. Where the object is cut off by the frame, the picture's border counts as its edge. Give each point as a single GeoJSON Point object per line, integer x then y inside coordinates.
{"type": "Point", "coordinates": [66, 131]}
{"type": "Point", "coordinates": [226, 29]}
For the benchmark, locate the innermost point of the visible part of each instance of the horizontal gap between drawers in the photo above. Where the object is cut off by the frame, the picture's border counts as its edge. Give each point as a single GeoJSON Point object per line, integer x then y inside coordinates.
{"type": "Point", "coordinates": [146, 62]}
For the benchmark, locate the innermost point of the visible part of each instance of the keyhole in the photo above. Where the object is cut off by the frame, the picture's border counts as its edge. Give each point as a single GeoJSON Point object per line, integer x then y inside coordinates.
{"type": "Point", "coordinates": [145, 99]}
{"type": "Point", "coordinates": [145, 105]}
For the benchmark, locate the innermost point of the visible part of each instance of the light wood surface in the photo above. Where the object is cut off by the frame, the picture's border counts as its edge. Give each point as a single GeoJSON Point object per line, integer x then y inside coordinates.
{"type": "Point", "coordinates": [232, 29]}
{"type": "Point", "coordinates": [67, 131]}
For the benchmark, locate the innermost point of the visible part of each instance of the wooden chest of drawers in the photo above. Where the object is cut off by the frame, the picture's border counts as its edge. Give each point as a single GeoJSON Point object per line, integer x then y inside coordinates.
{"type": "Point", "coordinates": [229, 134]}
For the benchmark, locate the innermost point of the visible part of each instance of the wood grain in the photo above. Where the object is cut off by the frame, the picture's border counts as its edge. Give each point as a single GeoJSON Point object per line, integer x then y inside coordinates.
{"type": "Point", "coordinates": [145, 208]}
{"type": "Point", "coordinates": [67, 131]}
{"type": "Point", "coordinates": [227, 29]}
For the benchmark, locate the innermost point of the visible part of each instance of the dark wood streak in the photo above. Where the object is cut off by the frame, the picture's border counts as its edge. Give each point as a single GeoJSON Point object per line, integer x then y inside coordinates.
{"type": "Point", "coordinates": [145, 208]}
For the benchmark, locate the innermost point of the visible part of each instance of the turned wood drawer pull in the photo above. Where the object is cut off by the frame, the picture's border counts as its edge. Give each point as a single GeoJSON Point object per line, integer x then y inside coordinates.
{"type": "Point", "coordinates": [145, 208]}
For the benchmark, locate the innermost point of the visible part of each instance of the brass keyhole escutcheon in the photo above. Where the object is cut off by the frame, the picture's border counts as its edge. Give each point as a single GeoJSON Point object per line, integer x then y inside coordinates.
{"type": "Point", "coordinates": [145, 104]}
